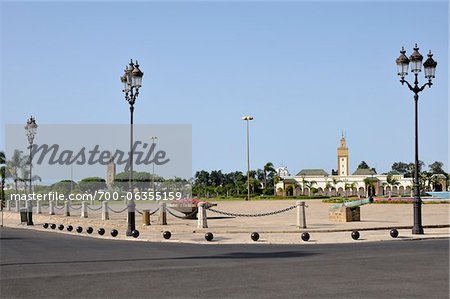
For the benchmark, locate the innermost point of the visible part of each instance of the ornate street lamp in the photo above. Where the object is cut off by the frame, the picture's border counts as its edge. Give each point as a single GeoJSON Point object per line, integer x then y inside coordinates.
{"type": "Point", "coordinates": [31, 129]}
{"type": "Point", "coordinates": [132, 81]}
{"type": "Point", "coordinates": [415, 61]}
{"type": "Point", "coordinates": [248, 119]}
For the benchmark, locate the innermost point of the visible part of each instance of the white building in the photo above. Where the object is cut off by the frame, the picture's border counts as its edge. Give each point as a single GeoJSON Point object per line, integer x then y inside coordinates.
{"type": "Point", "coordinates": [319, 182]}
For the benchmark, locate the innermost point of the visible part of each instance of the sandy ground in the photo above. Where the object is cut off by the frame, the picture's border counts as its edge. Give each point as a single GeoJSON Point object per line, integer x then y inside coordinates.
{"type": "Point", "coordinates": [376, 222]}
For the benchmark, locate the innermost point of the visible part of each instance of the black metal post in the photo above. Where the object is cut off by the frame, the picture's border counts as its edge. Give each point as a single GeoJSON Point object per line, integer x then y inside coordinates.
{"type": "Point", "coordinates": [248, 161]}
{"type": "Point", "coordinates": [131, 205]}
{"type": "Point", "coordinates": [29, 203]}
{"type": "Point", "coordinates": [417, 228]}
{"type": "Point", "coordinates": [132, 80]}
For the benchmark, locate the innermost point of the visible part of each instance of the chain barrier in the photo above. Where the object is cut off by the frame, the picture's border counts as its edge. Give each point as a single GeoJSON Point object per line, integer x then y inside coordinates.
{"type": "Point", "coordinates": [73, 208]}
{"type": "Point", "coordinates": [139, 212]}
{"type": "Point", "coordinates": [58, 208]}
{"type": "Point", "coordinates": [121, 211]}
{"type": "Point", "coordinates": [181, 217]}
{"type": "Point", "coordinates": [95, 209]}
{"type": "Point", "coordinates": [251, 215]}
{"type": "Point", "coordinates": [154, 212]}
{"type": "Point", "coordinates": [148, 213]}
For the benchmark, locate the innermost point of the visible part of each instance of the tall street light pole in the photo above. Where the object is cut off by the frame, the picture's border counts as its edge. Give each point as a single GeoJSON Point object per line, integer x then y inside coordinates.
{"type": "Point", "coordinates": [71, 174]}
{"type": "Point", "coordinates": [153, 138]}
{"type": "Point", "coordinates": [248, 119]}
{"type": "Point", "coordinates": [31, 129]}
{"type": "Point", "coordinates": [415, 60]}
{"type": "Point", "coordinates": [132, 81]}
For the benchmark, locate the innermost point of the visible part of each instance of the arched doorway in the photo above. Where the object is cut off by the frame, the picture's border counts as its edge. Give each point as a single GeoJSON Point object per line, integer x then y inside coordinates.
{"type": "Point", "coordinates": [289, 191]}
{"type": "Point", "coordinates": [361, 191]}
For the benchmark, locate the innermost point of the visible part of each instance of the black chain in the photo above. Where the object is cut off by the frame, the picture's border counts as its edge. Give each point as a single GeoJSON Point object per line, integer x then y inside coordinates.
{"type": "Point", "coordinates": [93, 209]}
{"type": "Point", "coordinates": [154, 211]}
{"type": "Point", "coordinates": [182, 217]}
{"type": "Point", "coordinates": [118, 211]}
{"type": "Point", "coordinates": [251, 215]}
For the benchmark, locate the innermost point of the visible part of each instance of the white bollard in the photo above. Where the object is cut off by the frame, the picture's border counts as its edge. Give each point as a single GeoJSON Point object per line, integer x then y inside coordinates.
{"type": "Point", "coordinates": [51, 208]}
{"type": "Point", "coordinates": [105, 212]}
{"type": "Point", "coordinates": [17, 206]}
{"type": "Point", "coordinates": [8, 205]}
{"type": "Point", "coordinates": [162, 217]}
{"type": "Point", "coordinates": [84, 213]}
{"type": "Point", "coordinates": [301, 215]}
{"type": "Point", "coordinates": [202, 221]}
{"type": "Point", "coordinates": [67, 208]}
{"type": "Point", "coordinates": [38, 207]}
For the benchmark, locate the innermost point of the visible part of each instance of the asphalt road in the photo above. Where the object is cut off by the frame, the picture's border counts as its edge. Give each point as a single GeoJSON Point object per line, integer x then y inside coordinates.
{"type": "Point", "coordinates": [51, 265]}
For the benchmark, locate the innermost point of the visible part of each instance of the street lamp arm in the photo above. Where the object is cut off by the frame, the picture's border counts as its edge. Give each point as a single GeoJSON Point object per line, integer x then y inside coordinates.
{"type": "Point", "coordinates": [425, 85]}
{"type": "Point", "coordinates": [403, 81]}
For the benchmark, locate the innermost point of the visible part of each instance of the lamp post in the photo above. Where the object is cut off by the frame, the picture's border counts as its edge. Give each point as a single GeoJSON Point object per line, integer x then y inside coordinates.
{"type": "Point", "coordinates": [248, 119]}
{"type": "Point", "coordinates": [71, 174]}
{"type": "Point", "coordinates": [415, 60]}
{"type": "Point", "coordinates": [132, 81]}
{"type": "Point", "coordinates": [30, 128]}
{"type": "Point", "coordinates": [153, 138]}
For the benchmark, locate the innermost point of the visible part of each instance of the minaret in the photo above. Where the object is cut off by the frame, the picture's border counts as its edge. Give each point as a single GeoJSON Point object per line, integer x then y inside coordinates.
{"type": "Point", "coordinates": [342, 156]}
{"type": "Point", "coordinates": [110, 173]}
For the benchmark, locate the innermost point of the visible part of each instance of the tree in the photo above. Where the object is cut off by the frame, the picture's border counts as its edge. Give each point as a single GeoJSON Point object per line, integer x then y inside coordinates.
{"type": "Point", "coordinates": [370, 185]}
{"type": "Point", "coordinates": [268, 169]}
{"type": "Point", "coordinates": [400, 167]}
{"type": "Point", "coordinates": [25, 176]}
{"type": "Point", "coordinates": [436, 168]}
{"type": "Point", "coordinates": [335, 182]}
{"type": "Point", "coordinates": [13, 166]}
{"type": "Point", "coordinates": [201, 183]}
{"type": "Point", "coordinates": [349, 186]}
{"type": "Point", "coordinates": [63, 186]}
{"type": "Point", "coordinates": [92, 184]}
{"type": "Point", "coordinates": [412, 167]}
{"type": "Point", "coordinates": [310, 185]}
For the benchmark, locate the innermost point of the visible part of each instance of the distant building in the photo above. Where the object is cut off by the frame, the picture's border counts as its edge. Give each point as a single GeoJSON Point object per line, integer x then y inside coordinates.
{"type": "Point", "coordinates": [318, 181]}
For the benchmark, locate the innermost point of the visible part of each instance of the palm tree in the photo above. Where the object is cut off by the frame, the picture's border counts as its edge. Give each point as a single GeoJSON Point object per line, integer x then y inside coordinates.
{"type": "Point", "coordinates": [391, 181]}
{"type": "Point", "coordinates": [335, 182]}
{"type": "Point", "coordinates": [13, 166]}
{"type": "Point", "coordinates": [26, 176]}
{"type": "Point", "coordinates": [349, 186]}
{"type": "Point", "coordinates": [369, 182]}
{"type": "Point", "coordinates": [309, 185]}
{"type": "Point", "coordinates": [2, 158]}
{"type": "Point", "coordinates": [268, 168]}
{"type": "Point", "coordinates": [328, 187]}
{"type": "Point", "coordinates": [304, 183]}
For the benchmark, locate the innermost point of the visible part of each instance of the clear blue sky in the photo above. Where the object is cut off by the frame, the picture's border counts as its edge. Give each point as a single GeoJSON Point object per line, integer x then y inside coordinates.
{"type": "Point", "coordinates": [305, 71]}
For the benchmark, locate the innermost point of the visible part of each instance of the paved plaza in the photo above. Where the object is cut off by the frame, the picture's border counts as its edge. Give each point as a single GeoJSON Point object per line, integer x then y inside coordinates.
{"type": "Point", "coordinates": [376, 222]}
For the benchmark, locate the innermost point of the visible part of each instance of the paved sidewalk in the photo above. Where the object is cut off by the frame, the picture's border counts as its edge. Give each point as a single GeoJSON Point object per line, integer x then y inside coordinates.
{"type": "Point", "coordinates": [376, 222]}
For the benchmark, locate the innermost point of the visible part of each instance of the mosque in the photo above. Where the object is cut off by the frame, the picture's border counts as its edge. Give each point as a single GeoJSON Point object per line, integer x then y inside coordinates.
{"type": "Point", "coordinates": [341, 182]}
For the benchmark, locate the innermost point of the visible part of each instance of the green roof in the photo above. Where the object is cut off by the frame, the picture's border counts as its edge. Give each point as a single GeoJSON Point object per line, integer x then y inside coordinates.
{"type": "Point", "coordinates": [364, 171]}
{"type": "Point", "coordinates": [289, 181]}
{"type": "Point", "coordinates": [312, 172]}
